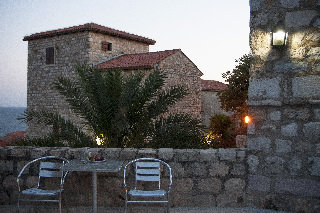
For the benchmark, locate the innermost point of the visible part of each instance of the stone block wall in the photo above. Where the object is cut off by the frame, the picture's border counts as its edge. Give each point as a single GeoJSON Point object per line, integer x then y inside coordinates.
{"type": "Point", "coordinates": [181, 71]}
{"type": "Point", "coordinates": [210, 105]}
{"type": "Point", "coordinates": [284, 102]}
{"type": "Point", "coordinates": [200, 177]}
{"type": "Point", "coordinates": [69, 50]}
{"type": "Point", "coordinates": [119, 46]}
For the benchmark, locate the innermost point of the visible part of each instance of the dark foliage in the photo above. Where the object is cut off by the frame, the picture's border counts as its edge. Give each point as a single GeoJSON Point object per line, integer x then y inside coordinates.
{"type": "Point", "coordinates": [126, 111]}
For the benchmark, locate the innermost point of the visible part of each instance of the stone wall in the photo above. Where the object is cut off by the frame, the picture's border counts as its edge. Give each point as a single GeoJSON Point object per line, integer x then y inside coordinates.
{"type": "Point", "coordinates": [210, 105]}
{"type": "Point", "coordinates": [284, 99]}
{"type": "Point", "coordinates": [200, 177]}
{"type": "Point", "coordinates": [119, 46]}
{"type": "Point", "coordinates": [181, 71]}
{"type": "Point", "coordinates": [69, 50]}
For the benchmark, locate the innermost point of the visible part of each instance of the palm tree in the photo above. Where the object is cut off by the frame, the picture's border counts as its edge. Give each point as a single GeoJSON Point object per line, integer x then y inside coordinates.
{"type": "Point", "coordinates": [122, 110]}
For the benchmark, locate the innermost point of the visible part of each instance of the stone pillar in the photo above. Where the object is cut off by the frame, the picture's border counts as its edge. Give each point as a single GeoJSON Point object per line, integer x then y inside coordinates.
{"type": "Point", "coordinates": [284, 102]}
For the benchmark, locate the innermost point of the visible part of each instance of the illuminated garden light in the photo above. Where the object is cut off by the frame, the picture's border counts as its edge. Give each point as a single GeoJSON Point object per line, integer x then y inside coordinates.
{"type": "Point", "coordinates": [100, 139]}
{"type": "Point", "coordinates": [247, 119]}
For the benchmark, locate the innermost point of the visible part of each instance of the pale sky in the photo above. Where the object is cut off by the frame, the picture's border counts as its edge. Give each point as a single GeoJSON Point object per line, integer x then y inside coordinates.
{"type": "Point", "coordinates": [212, 33]}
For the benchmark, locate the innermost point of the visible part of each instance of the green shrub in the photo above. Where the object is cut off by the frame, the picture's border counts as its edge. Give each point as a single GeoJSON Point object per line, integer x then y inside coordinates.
{"type": "Point", "coordinates": [221, 132]}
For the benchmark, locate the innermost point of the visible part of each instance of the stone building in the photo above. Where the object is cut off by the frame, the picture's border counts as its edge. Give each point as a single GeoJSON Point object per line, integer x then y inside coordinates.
{"type": "Point", "coordinates": [55, 53]}
{"type": "Point", "coordinates": [210, 103]}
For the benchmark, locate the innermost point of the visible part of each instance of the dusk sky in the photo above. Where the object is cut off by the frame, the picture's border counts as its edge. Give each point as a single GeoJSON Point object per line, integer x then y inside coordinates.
{"type": "Point", "coordinates": [212, 33]}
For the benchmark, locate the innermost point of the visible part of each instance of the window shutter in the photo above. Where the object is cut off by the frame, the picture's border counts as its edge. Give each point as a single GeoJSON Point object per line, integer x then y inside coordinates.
{"type": "Point", "coordinates": [50, 55]}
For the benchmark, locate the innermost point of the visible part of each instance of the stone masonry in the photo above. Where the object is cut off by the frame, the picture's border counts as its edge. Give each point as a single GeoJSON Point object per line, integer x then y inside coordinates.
{"type": "Point", "coordinates": [84, 44]}
{"type": "Point", "coordinates": [284, 102]}
{"type": "Point", "coordinates": [200, 177]}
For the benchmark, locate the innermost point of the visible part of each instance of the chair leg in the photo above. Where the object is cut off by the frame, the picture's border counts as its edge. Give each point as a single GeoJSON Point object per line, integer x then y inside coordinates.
{"type": "Point", "coordinates": [18, 202]}
{"type": "Point", "coordinates": [60, 202]}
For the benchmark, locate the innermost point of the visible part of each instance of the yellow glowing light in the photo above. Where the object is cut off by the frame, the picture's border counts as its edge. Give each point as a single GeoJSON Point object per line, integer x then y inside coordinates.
{"type": "Point", "coordinates": [279, 38]}
{"type": "Point", "coordinates": [247, 119]}
{"type": "Point", "coordinates": [100, 139]}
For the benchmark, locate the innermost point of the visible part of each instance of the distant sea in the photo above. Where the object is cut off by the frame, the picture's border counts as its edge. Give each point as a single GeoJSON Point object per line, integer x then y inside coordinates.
{"type": "Point", "coordinates": [8, 120]}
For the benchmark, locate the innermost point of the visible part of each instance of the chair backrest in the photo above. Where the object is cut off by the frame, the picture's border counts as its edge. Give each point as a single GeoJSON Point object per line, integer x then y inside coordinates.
{"type": "Point", "coordinates": [148, 170]}
{"type": "Point", "coordinates": [50, 167]}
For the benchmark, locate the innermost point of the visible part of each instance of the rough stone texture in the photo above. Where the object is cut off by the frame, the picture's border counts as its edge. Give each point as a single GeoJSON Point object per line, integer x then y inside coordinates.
{"type": "Point", "coordinates": [289, 3]}
{"type": "Point", "coordinates": [283, 146]}
{"type": "Point", "coordinates": [312, 130]}
{"type": "Point", "coordinates": [227, 154]}
{"type": "Point", "coordinates": [274, 165]}
{"type": "Point", "coordinates": [284, 100]}
{"type": "Point", "coordinates": [259, 183]}
{"type": "Point", "coordinates": [289, 130]}
{"type": "Point", "coordinates": [310, 85]}
{"type": "Point", "coordinates": [303, 187]}
{"type": "Point", "coordinates": [275, 116]}
{"type": "Point", "coordinates": [315, 166]}
{"type": "Point", "coordinates": [200, 177]}
{"type": "Point", "coordinates": [255, 4]}
{"type": "Point", "coordinates": [253, 162]}
{"type": "Point", "coordinates": [219, 169]}
{"type": "Point", "coordinates": [260, 143]}
{"type": "Point", "coordinates": [290, 67]}
{"type": "Point", "coordinates": [210, 105]}
{"type": "Point", "coordinates": [299, 18]}
{"type": "Point", "coordinates": [317, 114]}
{"type": "Point", "coordinates": [295, 165]}
{"type": "Point", "coordinates": [264, 88]}
{"type": "Point", "coordinates": [314, 53]}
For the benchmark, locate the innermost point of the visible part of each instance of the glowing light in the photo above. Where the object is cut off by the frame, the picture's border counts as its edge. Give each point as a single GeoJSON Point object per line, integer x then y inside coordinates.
{"type": "Point", "coordinates": [247, 119]}
{"type": "Point", "coordinates": [100, 139]}
{"type": "Point", "coordinates": [279, 38]}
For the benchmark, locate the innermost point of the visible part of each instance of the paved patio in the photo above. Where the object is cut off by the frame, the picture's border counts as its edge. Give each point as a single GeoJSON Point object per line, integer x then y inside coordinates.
{"type": "Point", "coordinates": [49, 209]}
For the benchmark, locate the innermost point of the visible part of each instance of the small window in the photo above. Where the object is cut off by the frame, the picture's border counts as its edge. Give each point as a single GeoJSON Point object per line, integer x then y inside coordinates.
{"type": "Point", "coordinates": [106, 46]}
{"type": "Point", "coordinates": [109, 46]}
{"type": "Point", "coordinates": [50, 55]}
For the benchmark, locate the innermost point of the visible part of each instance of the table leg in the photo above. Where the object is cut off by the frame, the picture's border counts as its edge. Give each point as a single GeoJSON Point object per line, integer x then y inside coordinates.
{"type": "Point", "coordinates": [94, 191]}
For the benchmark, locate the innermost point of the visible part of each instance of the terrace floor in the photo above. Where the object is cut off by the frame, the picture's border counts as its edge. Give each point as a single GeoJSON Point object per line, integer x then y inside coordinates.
{"type": "Point", "coordinates": [81, 209]}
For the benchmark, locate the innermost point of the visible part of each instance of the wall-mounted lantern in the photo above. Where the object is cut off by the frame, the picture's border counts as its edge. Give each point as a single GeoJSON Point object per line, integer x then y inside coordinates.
{"type": "Point", "coordinates": [279, 37]}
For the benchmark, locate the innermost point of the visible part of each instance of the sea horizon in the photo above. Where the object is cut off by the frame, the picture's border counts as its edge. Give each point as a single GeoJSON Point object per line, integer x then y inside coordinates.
{"type": "Point", "coordinates": [8, 120]}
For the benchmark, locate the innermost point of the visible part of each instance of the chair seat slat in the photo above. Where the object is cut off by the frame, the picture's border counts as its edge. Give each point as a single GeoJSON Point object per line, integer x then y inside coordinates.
{"type": "Point", "coordinates": [148, 171]}
{"type": "Point", "coordinates": [148, 164]}
{"type": "Point", "coordinates": [142, 193]}
{"type": "Point", "coordinates": [147, 178]}
{"type": "Point", "coordinates": [50, 165]}
{"type": "Point", "coordinates": [40, 192]}
{"type": "Point", "coordinates": [48, 173]}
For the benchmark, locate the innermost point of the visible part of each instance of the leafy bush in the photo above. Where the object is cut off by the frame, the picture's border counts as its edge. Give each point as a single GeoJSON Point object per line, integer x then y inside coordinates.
{"type": "Point", "coordinates": [221, 131]}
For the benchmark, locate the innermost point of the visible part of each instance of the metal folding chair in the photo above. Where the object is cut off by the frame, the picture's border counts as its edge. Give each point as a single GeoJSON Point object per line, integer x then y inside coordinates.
{"type": "Point", "coordinates": [147, 172]}
{"type": "Point", "coordinates": [49, 167]}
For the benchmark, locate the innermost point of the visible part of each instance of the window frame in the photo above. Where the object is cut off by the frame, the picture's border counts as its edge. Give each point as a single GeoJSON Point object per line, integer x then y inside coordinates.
{"type": "Point", "coordinates": [50, 56]}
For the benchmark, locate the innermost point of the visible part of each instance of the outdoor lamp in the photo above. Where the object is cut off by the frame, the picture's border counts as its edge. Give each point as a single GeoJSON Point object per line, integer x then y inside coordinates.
{"type": "Point", "coordinates": [247, 119]}
{"type": "Point", "coordinates": [279, 37]}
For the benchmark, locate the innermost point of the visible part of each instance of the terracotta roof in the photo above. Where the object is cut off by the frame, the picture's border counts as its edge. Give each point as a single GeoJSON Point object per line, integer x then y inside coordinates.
{"type": "Point", "coordinates": [92, 27]}
{"type": "Point", "coordinates": [207, 85]}
{"type": "Point", "coordinates": [135, 61]}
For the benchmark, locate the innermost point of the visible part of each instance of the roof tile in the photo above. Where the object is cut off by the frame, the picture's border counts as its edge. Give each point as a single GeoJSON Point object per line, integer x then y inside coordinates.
{"type": "Point", "coordinates": [92, 27]}
{"type": "Point", "coordinates": [207, 85]}
{"type": "Point", "coordinates": [134, 61]}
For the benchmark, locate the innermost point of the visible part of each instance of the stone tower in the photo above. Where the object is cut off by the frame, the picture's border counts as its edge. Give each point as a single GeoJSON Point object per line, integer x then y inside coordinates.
{"type": "Point", "coordinates": [55, 53]}
{"type": "Point", "coordinates": [284, 102]}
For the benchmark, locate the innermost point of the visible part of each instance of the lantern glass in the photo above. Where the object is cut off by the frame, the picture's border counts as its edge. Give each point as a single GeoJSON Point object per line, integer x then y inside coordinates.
{"type": "Point", "coordinates": [279, 38]}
